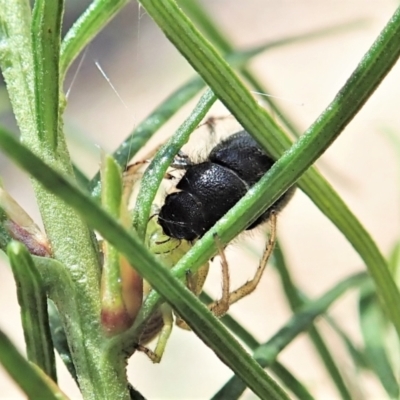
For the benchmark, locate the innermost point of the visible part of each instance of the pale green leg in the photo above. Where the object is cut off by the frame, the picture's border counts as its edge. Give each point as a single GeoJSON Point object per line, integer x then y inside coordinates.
{"type": "Point", "coordinates": [165, 332]}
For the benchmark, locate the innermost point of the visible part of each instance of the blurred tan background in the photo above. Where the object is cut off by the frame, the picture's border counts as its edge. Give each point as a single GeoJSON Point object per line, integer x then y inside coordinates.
{"type": "Point", "coordinates": [361, 165]}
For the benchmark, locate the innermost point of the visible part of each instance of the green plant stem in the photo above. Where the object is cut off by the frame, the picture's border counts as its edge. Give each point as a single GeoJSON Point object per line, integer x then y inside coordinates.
{"type": "Point", "coordinates": [73, 243]}
{"type": "Point", "coordinates": [95, 17]}
{"type": "Point", "coordinates": [46, 37]}
{"type": "Point", "coordinates": [266, 353]}
{"type": "Point", "coordinates": [159, 165]}
{"type": "Point", "coordinates": [295, 302]}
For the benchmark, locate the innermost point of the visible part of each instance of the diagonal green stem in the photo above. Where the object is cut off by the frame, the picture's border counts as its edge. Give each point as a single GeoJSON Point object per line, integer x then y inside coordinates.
{"type": "Point", "coordinates": [266, 353]}
{"type": "Point", "coordinates": [159, 165]}
{"type": "Point", "coordinates": [95, 17]}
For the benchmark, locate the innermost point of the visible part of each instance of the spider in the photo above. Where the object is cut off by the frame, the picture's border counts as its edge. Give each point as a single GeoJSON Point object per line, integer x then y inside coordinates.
{"type": "Point", "coordinates": [206, 191]}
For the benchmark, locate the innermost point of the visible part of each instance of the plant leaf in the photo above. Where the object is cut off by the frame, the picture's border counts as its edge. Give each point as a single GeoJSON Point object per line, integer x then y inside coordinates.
{"type": "Point", "coordinates": [87, 26]}
{"type": "Point", "coordinates": [33, 302]}
{"type": "Point", "coordinates": [156, 171]}
{"type": "Point", "coordinates": [266, 354]}
{"type": "Point", "coordinates": [374, 331]}
{"type": "Point", "coordinates": [30, 379]}
{"type": "Point", "coordinates": [46, 38]}
{"type": "Point", "coordinates": [296, 301]}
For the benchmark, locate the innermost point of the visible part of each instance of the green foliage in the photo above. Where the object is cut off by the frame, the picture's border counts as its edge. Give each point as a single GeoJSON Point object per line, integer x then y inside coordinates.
{"type": "Point", "coordinates": [34, 62]}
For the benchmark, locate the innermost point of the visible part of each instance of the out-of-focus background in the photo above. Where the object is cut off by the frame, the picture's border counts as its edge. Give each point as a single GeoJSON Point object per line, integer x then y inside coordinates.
{"type": "Point", "coordinates": [144, 68]}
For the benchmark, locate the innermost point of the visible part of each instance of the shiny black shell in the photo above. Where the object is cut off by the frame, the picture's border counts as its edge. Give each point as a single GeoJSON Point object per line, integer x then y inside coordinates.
{"type": "Point", "coordinates": [209, 189]}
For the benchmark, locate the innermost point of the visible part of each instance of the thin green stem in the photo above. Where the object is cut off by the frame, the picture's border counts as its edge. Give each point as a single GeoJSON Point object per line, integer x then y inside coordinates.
{"type": "Point", "coordinates": [46, 38]}
{"type": "Point", "coordinates": [88, 25]}
{"type": "Point", "coordinates": [159, 165]}
{"type": "Point", "coordinates": [267, 353]}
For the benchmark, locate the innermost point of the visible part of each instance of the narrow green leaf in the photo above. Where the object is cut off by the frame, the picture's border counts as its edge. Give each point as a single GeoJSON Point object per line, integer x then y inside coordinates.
{"type": "Point", "coordinates": [287, 378]}
{"type": "Point", "coordinates": [87, 26]}
{"type": "Point", "coordinates": [159, 165]}
{"type": "Point", "coordinates": [112, 186]}
{"type": "Point", "coordinates": [198, 15]}
{"type": "Point", "coordinates": [33, 302]}
{"type": "Point", "coordinates": [213, 32]}
{"type": "Point", "coordinates": [378, 61]}
{"type": "Point", "coordinates": [295, 301]}
{"type": "Point", "coordinates": [266, 354]}
{"type": "Point", "coordinates": [60, 339]}
{"type": "Point", "coordinates": [373, 328]}
{"type": "Point", "coordinates": [115, 317]}
{"type": "Point", "coordinates": [330, 364]}
{"type": "Point", "coordinates": [295, 386]}
{"type": "Point", "coordinates": [32, 382]}
{"type": "Point", "coordinates": [394, 263]}
{"type": "Point", "coordinates": [233, 325]}
{"type": "Point", "coordinates": [46, 39]}
{"type": "Point", "coordinates": [81, 178]}
{"type": "Point", "coordinates": [358, 356]}
{"type": "Point", "coordinates": [203, 323]}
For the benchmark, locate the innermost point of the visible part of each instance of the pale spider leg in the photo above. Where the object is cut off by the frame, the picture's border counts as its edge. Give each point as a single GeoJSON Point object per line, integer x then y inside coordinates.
{"type": "Point", "coordinates": [194, 283]}
{"type": "Point", "coordinates": [221, 306]}
{"type": "Point", "coordinates": [132, 174]}
{"type": "Point", "coordinates": [197, 279]}
{"type": "Point", "coordinates": [211, 121]}
{"type": "Point", "coordinates": [250, 286]}
{"type": "Point", "coordinates": [163, 336]}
